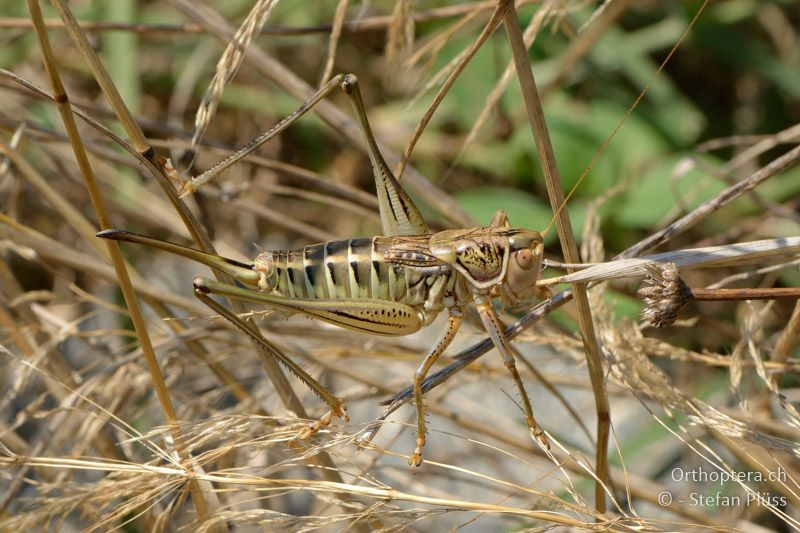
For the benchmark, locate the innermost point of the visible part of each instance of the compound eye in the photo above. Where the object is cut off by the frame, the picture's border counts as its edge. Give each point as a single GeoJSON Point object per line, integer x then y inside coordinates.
{"type": "Point", "coordinates": [524, 259]}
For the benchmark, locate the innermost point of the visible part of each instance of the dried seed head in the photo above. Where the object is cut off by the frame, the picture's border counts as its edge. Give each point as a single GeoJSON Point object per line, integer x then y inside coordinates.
{"type": "Point", "coordinates": [663, 293]}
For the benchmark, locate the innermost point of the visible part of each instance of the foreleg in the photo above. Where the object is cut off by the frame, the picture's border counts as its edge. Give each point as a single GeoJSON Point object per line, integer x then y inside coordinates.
{"type": "Point", "coordinates": [495, 330]}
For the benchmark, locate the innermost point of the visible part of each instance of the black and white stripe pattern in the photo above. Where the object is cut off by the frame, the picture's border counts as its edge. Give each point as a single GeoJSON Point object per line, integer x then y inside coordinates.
{"type": "Point", "coordinates": [353, 268]}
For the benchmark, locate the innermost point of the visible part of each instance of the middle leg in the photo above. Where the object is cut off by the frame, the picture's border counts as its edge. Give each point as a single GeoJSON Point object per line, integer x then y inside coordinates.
{"type": "Point", "coordinates": [444, 340]}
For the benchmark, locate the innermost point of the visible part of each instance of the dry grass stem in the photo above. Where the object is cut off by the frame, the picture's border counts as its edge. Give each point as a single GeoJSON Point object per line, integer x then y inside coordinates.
{"type": "Point", "coordinates": [568, 245]}
{"type": "Point", "coordinates": [228, 65]}
{"type": "Point", "coordinates": [707, 257]}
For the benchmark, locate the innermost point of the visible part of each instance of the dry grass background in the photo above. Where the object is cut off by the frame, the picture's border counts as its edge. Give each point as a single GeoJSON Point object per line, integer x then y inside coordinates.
{"type": "Point", "coordinates": [86, 442]}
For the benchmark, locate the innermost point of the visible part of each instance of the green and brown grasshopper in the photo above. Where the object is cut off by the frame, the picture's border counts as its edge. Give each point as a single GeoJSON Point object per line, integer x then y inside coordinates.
{"type": "Point", "coordinates": [393, 284]}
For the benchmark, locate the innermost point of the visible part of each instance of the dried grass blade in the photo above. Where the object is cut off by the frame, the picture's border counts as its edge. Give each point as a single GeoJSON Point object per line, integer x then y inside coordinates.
{"type": "Point", "coordinates": [228, 65]}
{"type": "Point", "coordinates": [773, 168]}
{"type": "Point", "coordinates": [159, 166]}
{"type": "Point", "coordinates": [569, 246]}
{"type": "Point", "coordinates": [711, 256]}
{"type": "Point", "coordinates": [202, 499]}
{"type": "Point", "coordinates": [72, 215]}
{"type": "Point", "coordinates": [333, 41]}
{"type": "Point", "coordinates": [463, 61]}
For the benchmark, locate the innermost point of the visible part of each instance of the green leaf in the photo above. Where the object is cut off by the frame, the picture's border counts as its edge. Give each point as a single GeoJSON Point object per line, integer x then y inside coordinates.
{"type": "Point", "coordinates": [663, 188]}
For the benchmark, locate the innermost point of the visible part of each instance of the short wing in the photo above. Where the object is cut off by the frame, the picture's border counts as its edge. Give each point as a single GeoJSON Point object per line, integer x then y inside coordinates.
{"type": "Point", "coordinates": [414, 252]}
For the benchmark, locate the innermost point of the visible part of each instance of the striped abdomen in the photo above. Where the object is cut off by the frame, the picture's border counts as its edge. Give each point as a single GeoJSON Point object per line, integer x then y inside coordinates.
{"type": "Point", "coordinates": [354, 268]}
